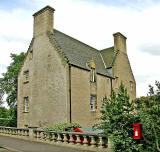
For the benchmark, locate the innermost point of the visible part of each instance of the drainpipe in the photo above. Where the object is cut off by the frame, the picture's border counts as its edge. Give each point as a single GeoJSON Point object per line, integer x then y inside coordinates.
{"type": "Point", "coordinates": [111, 85]}
{"type": "Point", "coordinates": [70, 99]}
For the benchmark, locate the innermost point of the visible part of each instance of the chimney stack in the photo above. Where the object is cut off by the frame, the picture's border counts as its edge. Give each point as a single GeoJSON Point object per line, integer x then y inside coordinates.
{"type": "Point", "coordinates": [120, 42]}
{"type": "Point", "coordinates": [43, 21]}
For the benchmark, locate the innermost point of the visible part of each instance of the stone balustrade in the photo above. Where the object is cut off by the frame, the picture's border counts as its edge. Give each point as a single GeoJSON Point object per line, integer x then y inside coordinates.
{"type": "Point", "coordinates": [82, 141]}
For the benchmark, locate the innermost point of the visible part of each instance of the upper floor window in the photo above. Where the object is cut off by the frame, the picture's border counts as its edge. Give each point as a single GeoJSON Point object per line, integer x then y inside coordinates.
{"type": "Point", "coordinates": [92, 75]}
{"type": "Point", "coordinates": [26, 104]}
{"type": "Point", "coordinates": [131, 85]}
{"type": "Point", "coordinates": [30, 54]}
{"type": "Point", "coordinates": [93, 102]}
{"type": "Point", "coordinates": [26, 76]}
{"type": "Point", "coordinates": [116, 82]}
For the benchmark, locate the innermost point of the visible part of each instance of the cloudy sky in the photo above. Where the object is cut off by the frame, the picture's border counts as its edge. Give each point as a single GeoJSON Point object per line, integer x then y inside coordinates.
{"type": "Point", "coordinates": [92, 22]}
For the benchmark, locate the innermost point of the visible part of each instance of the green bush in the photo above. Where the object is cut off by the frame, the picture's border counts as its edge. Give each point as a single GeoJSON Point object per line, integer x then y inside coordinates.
{"type": "Point", "coordinates": [8, 122]}
{"type": "Point", "coordinates": [62, 127]}
{"type": "Point", "coordinates": [8, 117]}
{"type": "Point", "coordinates": [117, 121]}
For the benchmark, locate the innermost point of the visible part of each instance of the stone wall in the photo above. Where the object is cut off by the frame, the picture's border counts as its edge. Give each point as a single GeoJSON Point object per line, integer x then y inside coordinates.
{"type": "Point", "coordinates": [82, 89]}
{"type": "Point", "coordinates": [47, 86]}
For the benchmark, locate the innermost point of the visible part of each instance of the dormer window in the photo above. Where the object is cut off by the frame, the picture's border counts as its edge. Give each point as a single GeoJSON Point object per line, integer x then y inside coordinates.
{"type": "Point", "coordinates": [92, 75]}
{"type": "Point", "coordinates": [26, 76]}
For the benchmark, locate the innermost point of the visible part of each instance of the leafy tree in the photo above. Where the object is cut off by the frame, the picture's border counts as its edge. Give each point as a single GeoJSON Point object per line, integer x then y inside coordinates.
{"type": "Point", "coordinates": [117, 118]}
{"type": "Point", "coordinates": [8, 83]}
{"type": "Point", "coordinates": [8, 117]}
{"type": "Point", "coordinates": [148, 111]}
{"type": "Point", "coordinates": [3, 112]}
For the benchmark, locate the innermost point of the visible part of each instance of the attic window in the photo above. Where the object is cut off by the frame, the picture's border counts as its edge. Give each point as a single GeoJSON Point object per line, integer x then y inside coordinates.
{"type": "Point", "coordinates": [92, 75]}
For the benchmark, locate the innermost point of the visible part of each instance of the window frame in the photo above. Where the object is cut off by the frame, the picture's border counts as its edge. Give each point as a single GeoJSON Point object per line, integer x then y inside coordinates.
{"type": "Point", "coordinates": [26, 76]}
{"type": "Point", "coordinates": [131, 85]}
{"type": "Point", "coordinates": [93, 103]}
{"type": "Point", "coordinates": [26, 104]}
{"type": "Point", "coordinates": [116, 82]}
{"type": "Point", "coordinates": [92, 75]}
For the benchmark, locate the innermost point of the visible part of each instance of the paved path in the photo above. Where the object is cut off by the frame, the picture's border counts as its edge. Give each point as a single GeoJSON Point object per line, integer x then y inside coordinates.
{"type": "Point", "coordinates": [3, 150]}
{"type": "Point", "coordinates": [19, 145]}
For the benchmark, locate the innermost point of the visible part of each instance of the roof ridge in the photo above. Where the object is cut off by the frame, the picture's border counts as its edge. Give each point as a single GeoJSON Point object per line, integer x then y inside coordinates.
{"type": "Point", "coordinates": [78, 40]}
{"type": "Point", "coordinates": [107, 48]}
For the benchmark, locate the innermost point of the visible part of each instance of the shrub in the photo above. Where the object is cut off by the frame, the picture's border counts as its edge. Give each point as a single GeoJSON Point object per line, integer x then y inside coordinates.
{"type": "Point", "coordinates": [62, 127]}
{"type": "Point", "coordinates": [118, 119]}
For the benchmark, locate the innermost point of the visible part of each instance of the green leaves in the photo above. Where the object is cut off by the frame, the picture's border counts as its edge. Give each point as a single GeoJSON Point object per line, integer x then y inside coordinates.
{"type": "Point", "coordinates": [8, 83]}
{"type": "Point", "coordinates": [63, 127]}
{"type": "Point", "coordinates": [117, 119]}
{"type": "Point", "coordinates": [148, 111]}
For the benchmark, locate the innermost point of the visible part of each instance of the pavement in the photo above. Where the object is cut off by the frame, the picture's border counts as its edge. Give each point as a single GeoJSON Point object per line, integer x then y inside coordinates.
{"type": "Point", "coordinates": [4, 150]}
{"type": "Point", "coordinates": [11, 144]}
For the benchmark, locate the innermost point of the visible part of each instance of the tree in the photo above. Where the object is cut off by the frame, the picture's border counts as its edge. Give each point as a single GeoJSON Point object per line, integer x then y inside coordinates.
{"type": "Point", "coordinates": [9, 80]}
{"type": "Point", "coordinates": [148, 111]}
{"type": "Point", "coordinates": [117, 118]}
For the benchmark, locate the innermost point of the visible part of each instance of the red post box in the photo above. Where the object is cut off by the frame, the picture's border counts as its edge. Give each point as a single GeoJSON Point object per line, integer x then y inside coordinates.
{"type": "Point", "coordinates": [137, 131]}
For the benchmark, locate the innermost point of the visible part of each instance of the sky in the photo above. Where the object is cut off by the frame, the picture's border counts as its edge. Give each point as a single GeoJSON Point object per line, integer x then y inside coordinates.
{"type": "Point", "coordinates": [93, 22]}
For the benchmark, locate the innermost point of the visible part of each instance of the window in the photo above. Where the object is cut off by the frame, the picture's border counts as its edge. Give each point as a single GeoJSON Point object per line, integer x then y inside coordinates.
{"type": "Point", "coordinates": [26, 76]}
{"type": "Point", "coordinates": [116, 82]}
{"type": "Point", "coordinates": [30, 54]}
{"type": "Point", "coordinates": [131, 86]}
{"type": "Point", "coordinates": [92, 102]}
{"type": "Point", "coordinates": [92, 75]}
{"type": "Point", "coordinates": [26, 104]}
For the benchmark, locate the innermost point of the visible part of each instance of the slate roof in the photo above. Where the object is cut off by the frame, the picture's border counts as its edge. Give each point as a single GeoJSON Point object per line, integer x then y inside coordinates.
{"type": "Point", "coordinates": [108, 56]}
{"type": "Point", "coordinates": [79, 53]}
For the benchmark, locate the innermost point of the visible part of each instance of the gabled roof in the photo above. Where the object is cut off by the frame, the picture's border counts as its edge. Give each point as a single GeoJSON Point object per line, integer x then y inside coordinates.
{"type": "Point", "coordinates": [79, 53]}
{"type": "Point", "coordinates": [109, 56]}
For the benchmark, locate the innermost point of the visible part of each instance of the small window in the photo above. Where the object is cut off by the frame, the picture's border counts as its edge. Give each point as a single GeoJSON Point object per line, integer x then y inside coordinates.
{"type": "Point", "coordinates": [131, 86]}
{"type": "Point", "coordinates": [92, 75]}
{"type": "Point", "coordinates": [30, 54]}
{"type": "Point", "coordinates": [26, 104]}
{"type": "Point", "coordinates": [116, 82]}
{"type": "Point", "coordinates": [26, 76]}
{"type": "Point", "coordinates": [93, 102]}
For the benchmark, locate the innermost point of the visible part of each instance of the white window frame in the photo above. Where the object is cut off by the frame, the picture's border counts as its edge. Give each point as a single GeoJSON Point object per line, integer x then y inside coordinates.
{"type": "Point", "coordinates": [93, 102]}
{"type": "Point", "coordinates": [131, 85]}
{"type": "Point", "coordinates": [92, 75]}
{"type": "Point", "coordinates": [26, 104]}
{"type": "Point", "coordinates": [26, 76]}
{"type": "Point", "coordinates": [116, 82]}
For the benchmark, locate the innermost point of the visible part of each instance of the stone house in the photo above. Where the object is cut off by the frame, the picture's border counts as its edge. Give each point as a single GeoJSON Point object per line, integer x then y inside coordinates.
{"type": "Point", "coordinates": [65, 80]}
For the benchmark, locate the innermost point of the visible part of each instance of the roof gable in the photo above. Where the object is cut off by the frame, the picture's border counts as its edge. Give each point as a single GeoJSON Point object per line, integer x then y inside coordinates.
{"type": "Point", "coordinates": [109, 55]}
{"type": "Point", "coordinates": [79, 53]}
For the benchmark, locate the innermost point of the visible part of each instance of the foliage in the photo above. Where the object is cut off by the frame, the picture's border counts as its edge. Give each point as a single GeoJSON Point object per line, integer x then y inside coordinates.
{"type": "Point", "coordinates": [118, 119]}
{"type": "Point", "coordinates": [148, 111]}
{"type": "Point", "coordinates": [8, 83]}
{"type": "Point", "coordinates": [8, 117]}
{"type": "Point", "coordinates": [63, 127]}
